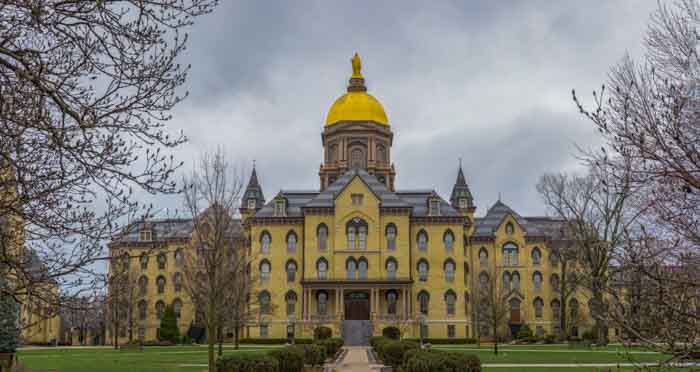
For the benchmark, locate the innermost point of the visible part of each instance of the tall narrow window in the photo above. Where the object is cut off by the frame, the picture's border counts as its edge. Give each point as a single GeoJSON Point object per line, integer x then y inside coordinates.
{"type": "Point", "coordinates": [506, 281]}
{"type": "Point", "coordinates": [466, 273]}
{"type": "Point", "coordinates": [144, 261]}
{"type": "Point", "coordinates": [449, 271]}
{"type": "Point", "coordinates": [322, 302]}
{"type": "Point", "coordinates": [537, 280]}
{"type": "Point", "coordinates": [161, 261]}
{"type": "Point", "coordinates": [450, 331]}
{"type": "Point", "coordinates": [423, 270]}
{"type": "Point", "coordinates": [483, 281]}
{"type": "Point", "coordinates": [391, 237]}
{"type": "Point", "coordinates": [143, 309]}
{"type": "Point", "coordinates": [264, 300]}
{"type": "Point", "coordinates": [322, 268]}
{"type": "Point", "coordinates": [357, 158]}
{"type": "Point", "coordinates": [280, 210]}
{"type": "Point", "coordinates": [538, 307]}
{"type": "Point", "coordinates": [509, 228]}
{"type": "Point", "coordinates": [391, 268]}
{"type": "Point", "coordinates": [536, 256]}
{"type": "Point", "coordinates": [177, 308]}
{"type": "Point", "coordinates": [516, 281]}
{"type": "Point", "coordinates": [434, 206]}
{"type": "Point", "coordinates": [291, 242]}
{"type": "Point", "coordinates": [179, 257]}
{"type": "Point", "coordinates": [449, 240]}
{"type": "Point", "coordinates": [391, 297]}
{"type": "Point", "coordinates": [143, 285]}
{"type": "Point", "coordinates": [322, 236]}
{"type": "Point", "coordinates": [351, 237]}
{"type": "Point", "coordinates": [362, 268]}
{"type": "Point", "coordinates": [160, 283]}
{"type": "Point", "coordinates": [556, 309]}
{"type": "Point", "coordinates": [265, 241]}
{"type": "Point", "coordinates": [291, 299]}
{"type": "Point", "coordinates": [362, 237]}
{"type": "Point", "coordinates": [422, 240]}
{"type": "Point", "coordinates": [265, 269]}
{"type": "Point", "coordinates": [573, 310]}
{"type": "Point", "coordinates": [450, 300]}
{"type": "Point", "coordinates": [291, 271]}
{"type": "Point", "coordinates": [177, 282]}
{"type": "Point", "coordinates": [554, 281]}
{"type": "Point", "coordinates": [483, 257]}
{"type": "Point", "coordinates": [351, 267]}
{"type": "Point", "coordinates": [510, 254]}
{"type": "Point", "coordinates": [160, 309]}
{"type": "Point", "coordinates": [424, 301]}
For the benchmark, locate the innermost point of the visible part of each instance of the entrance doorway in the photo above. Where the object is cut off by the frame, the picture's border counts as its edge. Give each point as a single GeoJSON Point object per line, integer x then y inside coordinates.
{"type": "Point", "coordinates": [357, 328]}
{"type": "Point", "coordinates": [357, 306]}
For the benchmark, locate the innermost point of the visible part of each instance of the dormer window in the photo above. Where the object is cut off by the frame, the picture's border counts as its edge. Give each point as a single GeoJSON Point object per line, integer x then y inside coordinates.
{"type": "Point", "coordinates": [145, 235]}
{"type": "Point", "coordinates": [251, 203]}
{"type": "Point", "coordinates": [356, 199]}
{"type": "Point", "coordinates": [280, 208]}
{"type": "Point", "coordinates": [463, 203]}
{"type": "Point", "coordinates": [434, 206]}
{"type": "Point", "coordinates": [509, 228]}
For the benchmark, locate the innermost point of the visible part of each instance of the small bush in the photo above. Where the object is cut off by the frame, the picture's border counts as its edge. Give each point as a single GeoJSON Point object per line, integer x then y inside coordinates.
{"type": "Point", "coordinates": [303, 341]}
{"type": "Point", "coordinates": [550, 339]}
{"type": "Point", "coordinates": [444, 341]}
{"type": "Point", "coordinates": [392, 352]}
{"type": "Point", "coordinates": [438, 361]}
{"type": "Point", "coordinates": [588, 336]}
{"type": "Point", "coordinates": [331, 345]}
{"type": "Point", "coordinates": [392, 333]}
{"type": "Point", "coordinates": [156, 343]}
{"type": "Point", "coordinates": [186, 340]}
{"type": "Point", "coordinates": [168, 326]}
{"type": "Point", "coordinates": [322, 333]}
{"type": "Point", "coordinates": [524, 332]}
{"type": "Point", "coordinates": [290, 359]}
{"type": "Point", "coordinates": [314, 355]}
{"type": "Point", "coordinates": [374, 340]}
{"type": "Point", "coordinates": [247, 363]}
{"type": "Point", "coordinates": [264, 341]}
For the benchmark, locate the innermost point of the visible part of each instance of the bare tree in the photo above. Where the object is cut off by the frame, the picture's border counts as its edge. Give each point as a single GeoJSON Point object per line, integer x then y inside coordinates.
{"type": "Point", "coordinates": [564, 256]}
{"type": "Point", "coordinates": [215, 268]}
{"type": "Point", "coordinates": [86, 88]}
{"type": "Point", "coordinates": [493, 308]}
{"type": "Point", "coordinates": [648, 117]}
{"type": "Point", "coordinates": [123, 286]}
{"type": "Point", "coordinates": [594, 213]}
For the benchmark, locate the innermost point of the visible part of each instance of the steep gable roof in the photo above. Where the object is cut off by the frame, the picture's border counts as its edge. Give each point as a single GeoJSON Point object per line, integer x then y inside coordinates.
{"type": "Point", "coordinates": [386, 197]}
{"type": "Point", "coordinates": [487, 225]}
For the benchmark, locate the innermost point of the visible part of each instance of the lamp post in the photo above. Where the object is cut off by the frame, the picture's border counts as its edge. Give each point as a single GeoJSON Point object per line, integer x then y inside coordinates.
{"type": "Point", "coordinates": [421, 324]}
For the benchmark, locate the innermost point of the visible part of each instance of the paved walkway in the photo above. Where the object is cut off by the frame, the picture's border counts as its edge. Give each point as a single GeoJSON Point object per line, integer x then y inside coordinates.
{"type": "Point", "coordinates": [355, 360]}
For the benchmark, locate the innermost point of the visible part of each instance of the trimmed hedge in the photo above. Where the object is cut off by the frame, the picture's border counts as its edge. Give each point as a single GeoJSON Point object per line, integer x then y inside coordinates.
{"type": "Point", "coordinates": [524, 333]}
{"type": "Point", "coordinates": [392, 333]}
{"type": "Point", "coordinates": [331, 345]}
{"type": "Point", "coordinates": [303, 341]}
{"type": "Point", "coordinates": [392, 352]}
{"type": "Point", "coordinates": [322, 333]}
{"type": "Point", "coordinates": [247, 363]}
{"type": "Point", "coordinates": [440, 361]}
{"type": "Point", "coordinates": [314, 355]}
{"type": "Point", "coordinates": [290, 359]}
{"type": "Point", "coordinates": [264, 341]}
{"type": "Point", "coordinates": [444, 341]}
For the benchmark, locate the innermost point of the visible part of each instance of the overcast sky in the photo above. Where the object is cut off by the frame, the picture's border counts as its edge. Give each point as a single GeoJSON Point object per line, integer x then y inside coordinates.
{"type": "Point", "coordinates": [488, 81]}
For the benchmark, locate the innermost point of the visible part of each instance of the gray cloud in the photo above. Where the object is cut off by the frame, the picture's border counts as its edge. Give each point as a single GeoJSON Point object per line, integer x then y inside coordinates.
{"type": "Point", "coordinates": [486, 81]}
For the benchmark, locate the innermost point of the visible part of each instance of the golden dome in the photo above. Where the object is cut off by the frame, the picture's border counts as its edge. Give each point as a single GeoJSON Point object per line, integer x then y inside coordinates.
{"type": "Point", "coordinates": [356, 104]}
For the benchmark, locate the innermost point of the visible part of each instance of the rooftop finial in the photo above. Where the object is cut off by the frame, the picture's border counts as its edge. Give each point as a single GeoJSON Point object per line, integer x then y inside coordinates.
{"type": "Point", "coordinates": [253, 163]}
{"type": "Point", "coordinates": [356, 66]}
{"type": "Point", "coordinates": [357, 82]}
{"type": "Point", "coordinates": [460, 162]}
{"type": "Point", "coordinates": [499, 196]}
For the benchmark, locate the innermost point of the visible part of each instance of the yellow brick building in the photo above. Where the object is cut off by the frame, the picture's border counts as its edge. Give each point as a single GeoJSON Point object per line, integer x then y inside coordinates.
{"type": "Point", "coordinates": [357, 255]}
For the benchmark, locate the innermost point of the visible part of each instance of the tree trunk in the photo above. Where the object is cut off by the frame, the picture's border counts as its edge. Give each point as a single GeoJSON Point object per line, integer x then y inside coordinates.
{"type": "Point", "coordinates": [562, 300]}
{"type": "Point", "coordinates": [211, 330]}
{"type": "Point", "coordinates": [600, 328]}
{"type": "Point", "coordinates": [236, 335]}
{"type": "Point", "coordinates": [495, 338]}
{"type": "Point", "coordinates": [220, 338]}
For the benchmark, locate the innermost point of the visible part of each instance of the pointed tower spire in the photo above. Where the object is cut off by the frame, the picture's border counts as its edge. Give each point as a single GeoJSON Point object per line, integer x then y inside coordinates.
{"type": "Point", "coordinates": [253, 197]}
{"type": "Point", "coordinates": [461, 197]}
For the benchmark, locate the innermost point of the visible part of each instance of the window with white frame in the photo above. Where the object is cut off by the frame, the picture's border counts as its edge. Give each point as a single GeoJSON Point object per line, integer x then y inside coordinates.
{"type": "Point", "coordinates": [391, 268]}
{"type": "Point", "coordinates": [322, 268]}
{"type": "Point", "coordinates": [265, 269]}
{"type": "Point", "coordinates": [422, 240]}
{"type": "Point", "coordinates": [423, 270]}
{"type": "Point", "coordinates": [449, 271]}
{"type": "Point", "coordinates": [391, 237]}
{"type": "Point", "coordinates": [449, 240]}
{"type": "Point", "coordinates": [265, 241]}
{"type": "Point", "coordinates": [291, 242]}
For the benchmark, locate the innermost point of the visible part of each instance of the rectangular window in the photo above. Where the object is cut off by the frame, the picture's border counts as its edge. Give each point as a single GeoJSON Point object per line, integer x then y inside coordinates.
{"type": "Point", "coordinates": [356, 199]}
{"type": "Point", "coordinates": [450, 331]}
{"type": "Point", "coordinates": [291, 307]}
{"type": "Point", "coordinates": [463, 203]}
{"type": "Point", "coordinates": [145, 235]}
{"type": "Point", "coordinates": [263, 331]}
{"type": "Point", "coordinates": [279, 208]}
{"type": "Point", "coordinates": [435, 207]}
{"type": "Point", "coordinates": [251, 203]}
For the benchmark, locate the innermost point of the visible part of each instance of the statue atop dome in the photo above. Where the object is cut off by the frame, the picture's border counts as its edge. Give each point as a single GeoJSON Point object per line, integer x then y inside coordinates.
{"type": "Point", "coordinates": [356, 66]}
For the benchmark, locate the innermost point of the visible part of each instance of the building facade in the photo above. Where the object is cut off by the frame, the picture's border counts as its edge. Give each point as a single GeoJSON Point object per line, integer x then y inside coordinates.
{"type": "Point", "coordinates": [358, 255]}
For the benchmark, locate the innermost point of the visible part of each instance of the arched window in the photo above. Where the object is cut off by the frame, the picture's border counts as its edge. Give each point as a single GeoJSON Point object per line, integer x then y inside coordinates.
{"type": "Point", "coordinates": [143, 285]}
{"type": "Point", "coordinates": [516, 281]}
{"type": "Point", "coordinates": [466, 273]}
{"type": "Point", "coordinates": [322, 236]}
{"type": "Point", "coordinates": [381, 154]}
{"type": "Point", "coordinates": [537, 280]}
{"type": "Point", "coordinates": [351, 237]}
{"type": "Point", "coordinates": [291, 242]}
{"type": "Point", "coordinates": [160, 282]}
{"type": "Point", "coordinates": [422, 240]}
{"type": "Point", "coordinates": [291, 270]}
{"type": "Point", "coordinates": [554, 282]}
{"type": "Point", "coordinates": [506, 281]}
{"type": "Point", "coordinates": [391, 298]}
{"type": "Point", "coordinates": [449, 267]}
{"type": "Point", "coordinates": [514, 310]}
{"type": "Point", "coordinates": [391, 266]}
{"type": "Point", "coordinates": [351, 267]}
{"type": "Point", "coordinates": [162, 260]}
{"type": "Point", "coordinates": [554, 259]}
{"type": "Point", "coordinates": [144, 261]}
{"type": "Point", "coordinates": [179, 257]}
{"type": "Point", "coordinates": [536, 256]}
{"type": "Point", "coordinates": [265, 269]}
{"type": "Point", "coordinates": [357, 158]}
{"type": "Point", "coordinates": [177, 307]}
{"type": "Point", "coordinates": [509, 228]}
{"type": "Point", "coordinates": [423, 270]}
{"type": "Point", "coordinates": [362, 237]}
{"type": "Point", "coordinates": [291, 298]}
{"type": "Point", "coordinates": [483, 257]}
{"type": "Point", "coordinates": [556, 309]}
{"type": "Point", "coordinates": [424, 302]}
{"type": "Point", "coordinates": [538, 303]}
{"type": "Point", "coordinates": [450, 301]}
{"type": "Point", "coordinates": [322, 302]}
{"type": "Point", "coordinates": [466, 303]}
{"type": "Point", "coordinates": [362, 267]}
{"type": "Point", "coordinates": [449, 240]}
{"type": "Point", "coordinates": [510, 254]}
{"type": "Point", "coordinates": [391, 236]}
{"type": "Point", "coordinates": [143, 309]}
{"type": "Point", "coordinates": [332, 153]}
{"type": "Point", "coordinates": [177, 282]}
{"type": "Point", "coordinates": [573, 310]}
{"type": "Point", "coordinates": [264, 300]}
{"type": "Point", "coordinates": [483, 280]}
{"type": "Point", "coordinates": [160, 309]}
{"type": "Point", "coordinates": [265, 241]}
{"type": "Point", "coordinates": [322, 268]}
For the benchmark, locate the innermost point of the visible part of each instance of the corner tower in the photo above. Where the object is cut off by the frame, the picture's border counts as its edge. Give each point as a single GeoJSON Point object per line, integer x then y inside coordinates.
{"type": "Point", "coordinates": [461, 197]}
{"type": "Point", "coordinates": [357, 134]}
{"type": "Point", "coordinates": [253, 198]}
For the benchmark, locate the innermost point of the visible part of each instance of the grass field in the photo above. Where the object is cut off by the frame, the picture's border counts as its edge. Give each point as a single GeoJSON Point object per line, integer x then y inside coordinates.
{"type": "Point", "coordinates": [187, 358]}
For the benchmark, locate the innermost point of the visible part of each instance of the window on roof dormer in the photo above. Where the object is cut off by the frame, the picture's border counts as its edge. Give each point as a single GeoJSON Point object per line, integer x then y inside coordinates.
{"type": "Point", "coordinates": [463, 203]}
{"type": "Point", "coordinates": [356, 199]}
{"type": "Point", "coordinates": [145, 235]}
{"type": "Point", "coordinates": [251, 203]}
{"type": "Point", "coordinates": [434, 207]}
{"type": "Point", "coordinates": [279, 208]}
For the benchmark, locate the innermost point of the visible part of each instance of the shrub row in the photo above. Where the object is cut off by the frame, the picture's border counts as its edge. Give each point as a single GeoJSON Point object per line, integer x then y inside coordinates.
{"type": "Point", "coordinates": [445, 341]}
{"type": "Point", "coordinates": [407, 356]}
{"type": "Point", "coordinates": [288, 359]}
{"type": "Point", "coordinates": [241, 362]}
{"type": "Point", "coordinates": [275, 341]}
{"type": "Point", "coordinates": [331, 345]}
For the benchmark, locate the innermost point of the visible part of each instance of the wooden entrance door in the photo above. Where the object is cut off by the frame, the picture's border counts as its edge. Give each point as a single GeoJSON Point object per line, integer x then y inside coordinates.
{"type": "Point", "coordinates": [357, 306]}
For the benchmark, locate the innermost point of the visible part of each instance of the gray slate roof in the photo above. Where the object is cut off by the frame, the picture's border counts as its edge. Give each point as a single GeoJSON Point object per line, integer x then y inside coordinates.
{"type": "Point", "coordinates": [487, 225]}
{"type": "Point", "coordinates": [164, 229]}
{"type": "Point", "coordinates": [296, 199]}
{"type": "Point", "coordinates": [419, 201]}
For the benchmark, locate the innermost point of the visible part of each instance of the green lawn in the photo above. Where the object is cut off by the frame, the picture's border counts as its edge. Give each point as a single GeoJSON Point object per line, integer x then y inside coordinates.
{"type": "Point", "coordinates": [152, 359]}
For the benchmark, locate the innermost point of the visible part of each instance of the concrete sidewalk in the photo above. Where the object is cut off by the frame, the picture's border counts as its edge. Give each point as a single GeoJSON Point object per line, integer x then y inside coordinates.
{"type": "Point", "coordinates": [356, 360]}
